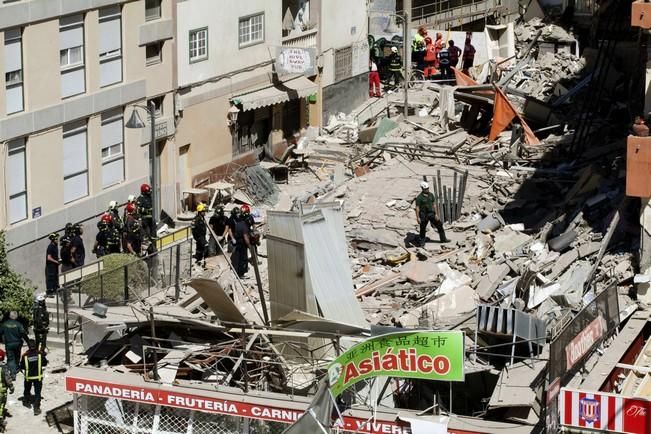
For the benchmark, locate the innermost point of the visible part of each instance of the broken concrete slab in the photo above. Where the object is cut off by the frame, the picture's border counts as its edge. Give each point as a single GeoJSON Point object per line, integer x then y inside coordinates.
{"type": "Point", "coordinates": [495, 274]}
{"type": "Point", "coordinates": [563, 263]}
{"type": "Point", "coordinates": [507, 241]}
{"type": "Point", "coordinates": [588, 249]}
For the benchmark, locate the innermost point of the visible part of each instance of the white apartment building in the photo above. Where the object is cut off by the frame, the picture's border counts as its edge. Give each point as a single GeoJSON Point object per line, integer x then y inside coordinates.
{"type": "Point", "coordinates": [73, 73]}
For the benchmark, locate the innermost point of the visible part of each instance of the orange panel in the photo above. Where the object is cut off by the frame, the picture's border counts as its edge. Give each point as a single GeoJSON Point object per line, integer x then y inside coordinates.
{"type": "Point", "coordinates": [641, 14]}
{"type": "Point", "coordinates": [638, 167]}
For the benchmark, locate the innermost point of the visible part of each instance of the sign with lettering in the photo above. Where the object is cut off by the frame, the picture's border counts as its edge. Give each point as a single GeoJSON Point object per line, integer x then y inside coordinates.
{"type": "Point", "coordinates": [428, 355]}
{"type": "Point", "coordinates": [583, 342]}
{"type": "Point", "coordinates": [604, 412]}
{"type": "Point", "coordinates": [294, 60]}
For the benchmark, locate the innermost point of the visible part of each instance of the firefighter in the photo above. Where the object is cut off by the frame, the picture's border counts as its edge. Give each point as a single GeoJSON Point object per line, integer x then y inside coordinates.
{"type": "Point", "coordinates": [219, 224]}
{"type": "Point", "coordinates": [6, 385]}
{"type": "Point", "coordinates": [115, 213]}
{"type": "Point", "coordinates": [41, 320]}
{"type": "Point", "coordinates": [13, 335]}
{"type": "Point", "coordinates": [145, 209]}
{"type": "Point", "coordinates": [64, 248]}
{"type": "Point", "coordinates": [101, 247]}
{"type": "Point", "coordinates": [52, 262]}
{"type": "Point", "coordinates": [32, 364]}
{"type": "Point", "coordinates": [199, 230]}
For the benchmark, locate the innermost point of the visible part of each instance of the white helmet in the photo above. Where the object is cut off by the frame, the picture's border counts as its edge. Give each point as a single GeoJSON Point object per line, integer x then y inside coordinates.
{"type": "Point", "coordinates": [424, 185]}
{"type": "Point", "coordinates": [113, 204]}
{"type": "Point", "coordinates": [394, 49]}
{"type": "Point", "coordinates": [40, 297]}
{"type": "Point", "coordinates": [131, 198]}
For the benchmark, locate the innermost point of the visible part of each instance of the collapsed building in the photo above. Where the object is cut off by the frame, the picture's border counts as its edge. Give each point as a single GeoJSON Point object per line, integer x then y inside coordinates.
{"type": "Point", "coordinates": [541, 274]}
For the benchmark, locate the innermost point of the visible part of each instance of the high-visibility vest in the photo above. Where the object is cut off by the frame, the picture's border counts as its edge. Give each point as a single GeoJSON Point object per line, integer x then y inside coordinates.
{"type": "Point", "coordinates": [39, 369]}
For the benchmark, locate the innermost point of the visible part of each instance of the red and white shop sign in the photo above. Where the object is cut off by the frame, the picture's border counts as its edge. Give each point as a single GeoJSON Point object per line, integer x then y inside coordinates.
{"type": "Point", "coordinates": [605, 412]}
{"type": "Point", "coordinates": [581, 344]}
{"type": "Point", "coordinates": [174, 399]}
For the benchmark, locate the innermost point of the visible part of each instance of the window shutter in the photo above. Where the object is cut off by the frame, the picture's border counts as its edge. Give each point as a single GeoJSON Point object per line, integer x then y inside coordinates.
{"type": "Point", "coordinates": [73, 82]}
{"type": "Point", "coordinates": [13, 56]}
{"type": "Point", "coordinates": [110, 32]}
{"type": "Point", "coordinates": [113, 172]}
{"type": "Point", "coordinates": [110, 71]}
{"type": "Point", "coordinates": [72, 37]}
{"type": "Point", "coordinates": [14, 99]}
{"type": "Point", "coordinates": [112, 133]}
{"type": "Point", "coordinates": [74, 153]}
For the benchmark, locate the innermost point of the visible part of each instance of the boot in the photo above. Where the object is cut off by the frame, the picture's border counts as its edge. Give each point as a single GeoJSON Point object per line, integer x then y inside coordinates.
{"type": "Point", "coordinates": [37, 411]}
{"type": "Point", "coordinates": [442, 236]}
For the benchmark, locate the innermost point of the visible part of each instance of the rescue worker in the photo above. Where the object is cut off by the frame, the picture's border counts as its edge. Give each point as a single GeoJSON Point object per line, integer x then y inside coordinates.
{"type": "Point", "coordinates": [52, 262]}
{"type": "Point", "coordinates": [454, 54]}
{"type": "Point", "coordinates": [430, 59]}
{"type": "Point", "coordinates": [232, 221]}
{"type": "Point", "coordinates": [468, 56]}
{"type": "Point", "coordinates": [64, 251]}
{"type": "Point", "coordinates": [134, 238]}
{"type": "Point", "coordinates": [439, 44]}
{"type": "Point", "coordinates": [199, 230]}
{"type": "Point", "coordinates": [13, 334]}
{"type": "Point", "coordinates": [444, 64]}
{"type": "Point", "coordinates": [145, 209]}
{"type": "Point", "coordinates": [6, 385]}
{"type": "Point", "coordinates": [395, 66]}
{"type": "Point", "coordinates": [101, 247]}
{"type": "Point", "coordinates": [418, 47]}
{"type": "Point", "coordinates": [374, 87]}
{"type": "Point", "coordinates": [113, 210]}
{"type": "Point", "coordinates": [426, 213]}
{"type": "Point", "coordinates": [219, 224]}
{"type": "Point", "coordinates": [77, 249]}
{"type": "Point", "coordinates": [41, 321]}
{"type": "Point", "coordinates": [130, 200]}
{"type": "Point", "coordinates": [32, 364]}
{"type": "Point", "coordinates": [241, 243]}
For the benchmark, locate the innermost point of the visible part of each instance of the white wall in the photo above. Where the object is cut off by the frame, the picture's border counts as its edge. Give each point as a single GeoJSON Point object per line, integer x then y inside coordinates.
{"type": "Point", "coordinates": [343, 23]}
{"type": "Point", "coordinates": [222, 20]}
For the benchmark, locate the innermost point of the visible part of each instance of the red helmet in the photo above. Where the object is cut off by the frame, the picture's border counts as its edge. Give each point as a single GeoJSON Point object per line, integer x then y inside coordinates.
{"type": "Point", "coordinates": [131, 208]}
{"type": "Point", "coordinates": [107, 218]}
{"type": "Point", "coordinates": [145, 188]}
{"type": "Point", "coordinates": [245, 209]}
{"type": "Point", "coordinates": [2, 355]}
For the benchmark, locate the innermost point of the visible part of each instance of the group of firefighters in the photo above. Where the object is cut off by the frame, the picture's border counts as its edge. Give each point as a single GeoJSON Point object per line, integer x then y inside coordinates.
{"type": "Point", "coordinates": [30, 363]}
{"type": "Point", "coordinates": [432, 57]}
{"type": "Point", "coordinates": [238, 230]}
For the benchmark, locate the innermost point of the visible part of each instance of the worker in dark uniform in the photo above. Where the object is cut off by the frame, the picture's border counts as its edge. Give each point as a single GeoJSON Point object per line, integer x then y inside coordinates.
{"type": "Point", "coordinates": [395, 66]}
{"type": "Point", "coordinates": [52, 262]}
{"type": "Point", "coordinates": [130, 200]}
{"type": "Point", "coordinates": [32, 364]}
{"type": "Point", "coordinates": [241, 243]}
{"type": "Point", "coordinates": [219, 224]}
{"type": "Point", "coordinates": [77, 249]}
{"type": "Point", "coordinates": [145, 209]}
{"type": "Point", "coordinates": [6, 385]}
{"type": "Point", "coordinates": [114, 238]}
{"type": "Point", "coordinates": [199, 230]}
{"type": "Point", "coordinates": [13, 334]}
{"type": "Point", "coordinates": [426, 213]}
{"type": "Point", "coordinates": [64, 248]}
{"type": "Point", "coordinates": [41, 321]}
{"type": "Point", "coordinates": [232, 221]}
{"type": "Point", "coordinates": [101, 239]}
{"type": "Point", "coordinates": [134, 237]}
{"type": "Point", "coordinates": [254, 235]}
{"type": "Point", "coordinates": [113, 210]}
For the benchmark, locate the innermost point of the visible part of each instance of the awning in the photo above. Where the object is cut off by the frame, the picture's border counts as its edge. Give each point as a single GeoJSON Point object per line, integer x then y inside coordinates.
{"type": "Point", "coordinates": [293, 88]}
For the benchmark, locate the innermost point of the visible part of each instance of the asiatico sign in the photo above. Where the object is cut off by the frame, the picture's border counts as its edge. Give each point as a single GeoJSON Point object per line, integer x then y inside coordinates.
{"type": "Point", "coordinates": [427, 355]}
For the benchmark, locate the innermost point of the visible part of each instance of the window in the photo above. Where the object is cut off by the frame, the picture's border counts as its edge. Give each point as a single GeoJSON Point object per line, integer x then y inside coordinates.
{"type": "Point", "coordinates": [251, 30]}
{"type": "Point", "coordinates": [158, 105]}
{"type": "Point", "coordinates": [71, 40]}
{"type": "Point", "coordinates": [75, 162]}
{"type": "Point", "coordinates": [14, 71]}
{"type": "Point", "coordinates": [110, 46]}
{"type": "Point", "coordinates": [152, 10]}
{"type": "Point", "coordinates": [17, 181]}
{"type": "Point", "coordinates": [154, 53]}
{"type": "Point", "coordinates": [198, 45]}
{"type": "Point", "coordinates": [343, 63]}
{"type": "Point", "coordinates": [112, 148]}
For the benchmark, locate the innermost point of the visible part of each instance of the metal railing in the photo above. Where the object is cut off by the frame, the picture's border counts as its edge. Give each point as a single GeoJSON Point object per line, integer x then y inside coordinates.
{"type": "Point", "coordinates": [449, 10]}
{"type": "Point", "coordinates": [307, 39]}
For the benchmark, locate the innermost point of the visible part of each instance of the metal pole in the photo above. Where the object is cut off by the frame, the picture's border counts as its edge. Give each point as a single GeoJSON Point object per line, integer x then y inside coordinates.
{"type": "Point", "coordinates": [126, 283]}
{"type": "Point", "coordinates": [153, 335]}
{"type": "Point", "coordinates": [254, 258]}
{"type": "Point", "coordinates": [66, 338]}
{"type": "Point", "coordinates": [407, 53]}
{"type": "Point", "coordinates": [154, 159]}
{"type": "Point", "coordinates": [177, 279]}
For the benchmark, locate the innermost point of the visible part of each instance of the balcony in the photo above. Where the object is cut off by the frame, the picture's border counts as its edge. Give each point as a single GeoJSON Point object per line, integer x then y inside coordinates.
{"type": "Point", "coordinates": [306, 39]}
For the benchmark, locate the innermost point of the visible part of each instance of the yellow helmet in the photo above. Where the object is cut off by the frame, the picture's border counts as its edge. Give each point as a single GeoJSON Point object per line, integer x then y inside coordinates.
{"type": "Point", "coordinates": [201, 208]}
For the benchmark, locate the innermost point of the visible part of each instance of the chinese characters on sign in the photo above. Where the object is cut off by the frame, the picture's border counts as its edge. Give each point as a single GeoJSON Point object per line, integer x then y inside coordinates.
{"type": "Point", "coordinates": [425, 355]}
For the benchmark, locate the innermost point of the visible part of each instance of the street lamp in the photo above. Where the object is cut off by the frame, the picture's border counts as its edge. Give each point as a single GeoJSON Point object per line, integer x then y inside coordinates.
{"type": "Point", "coordinates": [406, 57]}
{"type": "Point", "coordinates": [136, 122]}
{"type": "Point", "coordinates": [233, 113]}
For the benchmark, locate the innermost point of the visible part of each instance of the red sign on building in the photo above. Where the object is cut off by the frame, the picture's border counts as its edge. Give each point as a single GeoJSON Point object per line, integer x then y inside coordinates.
{"type": "Point", "coordinates": [605, 412]}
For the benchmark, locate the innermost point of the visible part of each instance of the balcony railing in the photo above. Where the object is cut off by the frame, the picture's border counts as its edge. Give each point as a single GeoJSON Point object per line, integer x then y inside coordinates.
{"type": "Point", "coordinates": [306, 39]}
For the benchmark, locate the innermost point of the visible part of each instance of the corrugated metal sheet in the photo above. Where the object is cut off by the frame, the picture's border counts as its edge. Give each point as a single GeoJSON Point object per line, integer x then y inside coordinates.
{"type": "Point", "coordinates": [285, 225]}
{"type": "Point", "coordinates": [328, 266]}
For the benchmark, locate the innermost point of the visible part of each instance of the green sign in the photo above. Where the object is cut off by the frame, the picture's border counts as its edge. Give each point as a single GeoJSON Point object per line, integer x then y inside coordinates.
{"type": "Point", "coordinates": [428, 355]}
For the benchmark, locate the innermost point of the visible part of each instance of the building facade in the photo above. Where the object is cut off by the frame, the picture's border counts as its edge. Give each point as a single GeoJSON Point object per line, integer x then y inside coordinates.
{"type": "Point", "coordinates": [73, 74]}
